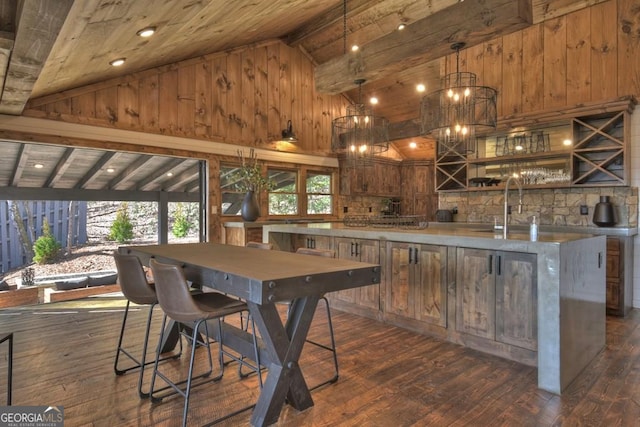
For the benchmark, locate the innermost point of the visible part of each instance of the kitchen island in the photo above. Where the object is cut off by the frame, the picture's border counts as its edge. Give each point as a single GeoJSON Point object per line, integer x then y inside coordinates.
{"type": "Point", "coordinates": [540, 303]}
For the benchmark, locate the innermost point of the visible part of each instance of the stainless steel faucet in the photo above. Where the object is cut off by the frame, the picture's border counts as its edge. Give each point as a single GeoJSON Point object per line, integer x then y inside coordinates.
{"type": "Point", "coordinates": [505, 229]}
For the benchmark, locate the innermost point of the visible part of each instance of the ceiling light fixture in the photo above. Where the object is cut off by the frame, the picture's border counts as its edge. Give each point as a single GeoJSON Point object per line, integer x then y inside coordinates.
{"type": "Point", "coordinates": [420, 87]}
{"type": "Point", "coordinates": [453, 114]}
{"type": "Point", "coordinates": [287, 134]}
{"type": "Point", "coordinates": [373, 100]}
{"type": "Point", "coordinates": [117, 62]}
{"type": "Point", "coordinates": [401, 27]}
{"type": "Point", "coordinates": [413, 145]}
{"type": "Point", "coordinates": [360, 134]}
{"type": "Point", "coordinates": [110, 170]}
{"type": "Point", "coordinates": [146, 32]}
{"type": "Point", "coordinates": [38, 166]}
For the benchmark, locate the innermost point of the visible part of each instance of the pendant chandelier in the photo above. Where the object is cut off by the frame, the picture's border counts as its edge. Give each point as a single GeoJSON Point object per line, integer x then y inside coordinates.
{"type": "Point", "coordinates": [453, 114]}
{"type": "Point", "coordinates": [360, 134]}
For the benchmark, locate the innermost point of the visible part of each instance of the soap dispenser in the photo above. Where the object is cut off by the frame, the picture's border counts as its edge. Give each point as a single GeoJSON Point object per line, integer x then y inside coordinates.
{"type": "Point", "coordinates": [533, 230]}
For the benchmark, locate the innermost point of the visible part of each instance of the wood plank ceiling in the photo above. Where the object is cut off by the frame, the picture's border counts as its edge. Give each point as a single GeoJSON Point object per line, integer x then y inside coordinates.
{"type": "Point", "coordinates": [48, 47]}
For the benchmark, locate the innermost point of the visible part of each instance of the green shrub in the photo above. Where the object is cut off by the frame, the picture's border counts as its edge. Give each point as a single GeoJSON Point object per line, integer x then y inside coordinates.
{"type": "Point", "coordinates": [122, 228]}
{"type": "Point", "coordinates": [181, 224]}
{"type": "Point", "coordinates": [46, 247]}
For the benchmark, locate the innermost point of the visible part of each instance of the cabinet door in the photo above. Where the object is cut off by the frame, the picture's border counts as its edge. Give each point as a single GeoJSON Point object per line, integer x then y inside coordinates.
{"type": "Point", "coordinates": [431, 284]}
{"type": "Point", "coordinates": [363, 250]}
{"type": "Point", "coordinates": [400, 292]}
{"type": "Point", "coordinates": [475, 292]}
{"type": "Point", "coordinates": [516, 299]}
{"type": "Point", "coordinates": [311, 241]}
{"type": "Point", "coordinates": [369, 251]}
{"type": "Point", "coordinates": [345, 249]}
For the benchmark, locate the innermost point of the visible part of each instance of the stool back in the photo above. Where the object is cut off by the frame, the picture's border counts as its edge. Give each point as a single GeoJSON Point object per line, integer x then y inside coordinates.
{"type": "Point", "coordinates": [133, 281]}
{"type": "Point", "coordinates": [329, 253]}
{"type": "Point", "coordinates": [173, 293]}
{"type": "Point", "coordinates": [259, 245]}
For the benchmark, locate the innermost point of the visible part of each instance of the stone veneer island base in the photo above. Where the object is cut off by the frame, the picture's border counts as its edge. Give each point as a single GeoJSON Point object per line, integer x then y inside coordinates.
{"type": "Point", "coordinates": [540, 303]}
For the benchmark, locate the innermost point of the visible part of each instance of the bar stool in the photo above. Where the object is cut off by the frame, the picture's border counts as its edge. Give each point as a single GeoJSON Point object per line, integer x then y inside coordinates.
{"type": "Point", "coordinates": [136, 289]}
{"type": "Point", "coordinates": [332, 348]}
{"type": "Point", "coordinates": [259, 245]}
{"type": "Point", "coordinates": [183, 307]}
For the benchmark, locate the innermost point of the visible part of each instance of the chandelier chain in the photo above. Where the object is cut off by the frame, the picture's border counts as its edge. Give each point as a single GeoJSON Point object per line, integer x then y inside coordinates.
{"type": "Point", "coordinates": [344, 26]}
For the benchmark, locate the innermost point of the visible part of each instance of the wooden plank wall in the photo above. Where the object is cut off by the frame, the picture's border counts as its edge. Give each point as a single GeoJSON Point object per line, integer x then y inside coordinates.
{"type": "Point", "coordinates": [586, 56]}
{"type": "Point", "coordinates": [244, 97]}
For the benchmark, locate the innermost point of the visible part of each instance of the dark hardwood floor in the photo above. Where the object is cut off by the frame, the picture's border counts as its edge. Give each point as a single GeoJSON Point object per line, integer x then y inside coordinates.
{"type": "Point", "coordinates": [388, 377]}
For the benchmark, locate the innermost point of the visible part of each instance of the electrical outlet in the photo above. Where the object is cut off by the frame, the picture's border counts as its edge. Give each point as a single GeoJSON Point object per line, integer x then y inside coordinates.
{"type": "Point", "coordinates": [584, 210]}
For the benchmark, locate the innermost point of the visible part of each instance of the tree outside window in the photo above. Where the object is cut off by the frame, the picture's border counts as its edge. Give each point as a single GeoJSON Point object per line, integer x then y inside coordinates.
{"type": "Point", "coordinates": [319, 200]}
{"type": "Point", "coordinates": [283, 198]}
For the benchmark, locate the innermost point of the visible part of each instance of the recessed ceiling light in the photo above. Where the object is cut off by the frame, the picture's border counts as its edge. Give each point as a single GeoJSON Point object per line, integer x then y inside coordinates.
{"type": "Point", "coordinates": [146, 32]}
{"type": "Point", "coordinates": [110, 170]}
{"type": "Point", "coordinates": [420, 87]}
{"type": "Point", "coordinates": [373, 100]}
{"type": "Point", "coordinates": [117, 62]}
{"type": "Point", "coordinates": [169, 173]}
{"type": "Point", "coordinates": [38, 166]}
{"type": "Point", "coordinates": [401, 27]}
{"type": "Point", "coordinates": [566, 142]}
{"type": "Point", "coordinates": [412, 144]}
{"type": "Point", "coordinates": [354, 48]}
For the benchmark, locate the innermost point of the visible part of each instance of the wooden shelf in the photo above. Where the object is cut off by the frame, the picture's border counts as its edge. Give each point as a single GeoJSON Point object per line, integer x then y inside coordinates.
{"type": "Point", "coordinates": [599, 155]}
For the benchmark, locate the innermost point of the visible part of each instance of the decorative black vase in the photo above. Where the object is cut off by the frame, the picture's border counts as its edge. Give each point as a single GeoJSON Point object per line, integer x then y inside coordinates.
{"type": "Point", "coordinates": [603, 213]}
{"type": "Point", "coordinates": [250, 209]}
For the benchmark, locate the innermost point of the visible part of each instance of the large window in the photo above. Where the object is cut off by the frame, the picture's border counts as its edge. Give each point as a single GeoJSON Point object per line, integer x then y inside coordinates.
{"type": "Point", "coordinates": [295, 193]}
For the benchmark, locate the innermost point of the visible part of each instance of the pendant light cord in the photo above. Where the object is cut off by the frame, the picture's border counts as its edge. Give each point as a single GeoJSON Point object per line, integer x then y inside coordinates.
{"type": "Point", "coordinates": [344, 26]}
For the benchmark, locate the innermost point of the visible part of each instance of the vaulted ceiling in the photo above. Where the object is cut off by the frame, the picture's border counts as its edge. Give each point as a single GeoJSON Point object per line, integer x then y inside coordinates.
{"type": "Point", "coordinates": [48, 47]}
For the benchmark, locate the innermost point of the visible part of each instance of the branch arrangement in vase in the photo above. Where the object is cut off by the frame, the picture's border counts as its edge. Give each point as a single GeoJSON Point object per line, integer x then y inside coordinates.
{"type": "Point", "coordinates": [250, 176]}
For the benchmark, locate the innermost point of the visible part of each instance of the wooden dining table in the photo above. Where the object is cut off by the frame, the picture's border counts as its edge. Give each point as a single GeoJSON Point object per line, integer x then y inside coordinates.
{"type": "Point", "coordinates": [263, 278]}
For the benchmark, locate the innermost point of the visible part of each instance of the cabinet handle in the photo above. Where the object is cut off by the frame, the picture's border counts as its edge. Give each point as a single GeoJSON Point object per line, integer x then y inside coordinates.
{"type": "Point", "coordinates": [415, 256]}
{"type": "Point", "coordinates": [490, 264]}
{"type": "Point", "coordinates": [410, 253]}
{"type": "Point", "coordinates": [599, 259]}
{"type": "Point", "coordinates": [352, 246]}
{"type": "Point", "coordinates": [313, 243]}
{"type": "Point", "coordinates": [357, 249]}
{"type": "Point", "coordinates": [499, 266]}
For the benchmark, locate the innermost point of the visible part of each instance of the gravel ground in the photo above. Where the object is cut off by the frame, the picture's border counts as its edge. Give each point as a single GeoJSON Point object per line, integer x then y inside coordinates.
{"type": "Point", "coordinates": [89, 257]}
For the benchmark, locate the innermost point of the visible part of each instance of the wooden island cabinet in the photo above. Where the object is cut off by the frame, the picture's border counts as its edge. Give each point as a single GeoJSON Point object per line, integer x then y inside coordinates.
{"type": "Point", "coordinates": [539, 303]}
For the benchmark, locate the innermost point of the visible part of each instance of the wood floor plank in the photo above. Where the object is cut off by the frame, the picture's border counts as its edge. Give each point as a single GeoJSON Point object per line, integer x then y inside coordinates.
{"type": "Point", "coordinates": [388, 377]}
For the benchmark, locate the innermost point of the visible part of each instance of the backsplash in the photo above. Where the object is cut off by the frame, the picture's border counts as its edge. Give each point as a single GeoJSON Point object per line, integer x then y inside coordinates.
{"type": "Point", "coordinates": [551, 206]}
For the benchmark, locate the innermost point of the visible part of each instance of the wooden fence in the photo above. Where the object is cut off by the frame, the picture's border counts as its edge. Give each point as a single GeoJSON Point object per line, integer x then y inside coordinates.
{"type": "Point", "coordinates": [56, 212]}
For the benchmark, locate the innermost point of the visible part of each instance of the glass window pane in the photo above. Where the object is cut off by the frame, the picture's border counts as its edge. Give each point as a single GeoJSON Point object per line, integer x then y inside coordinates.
{"type": "Point", "coordinates": [319, 204]}
{"type": "Point", "coordinates": [319, 183]}
{"type": "Point", "coordinates": [283, 204]}
{"type": "Point", "coordinates": [285, 181]}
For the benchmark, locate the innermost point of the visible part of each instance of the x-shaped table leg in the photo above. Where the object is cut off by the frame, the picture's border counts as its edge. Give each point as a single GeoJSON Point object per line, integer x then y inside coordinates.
{"type": "Point", "coordinates": [284, 344]}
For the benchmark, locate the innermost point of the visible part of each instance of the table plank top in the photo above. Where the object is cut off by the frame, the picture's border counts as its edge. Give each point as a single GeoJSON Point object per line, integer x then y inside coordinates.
{"type": "Point", "coordinates": [258, 274]}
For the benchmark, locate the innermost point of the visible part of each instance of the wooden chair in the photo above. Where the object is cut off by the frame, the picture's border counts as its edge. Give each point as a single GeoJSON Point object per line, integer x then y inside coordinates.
{"type": "Point", "coordinates": [179, 304]}
{"type": "Point", "coordinates": [137, 290]}
{"type": "Point", "coordinates": [332, 347]}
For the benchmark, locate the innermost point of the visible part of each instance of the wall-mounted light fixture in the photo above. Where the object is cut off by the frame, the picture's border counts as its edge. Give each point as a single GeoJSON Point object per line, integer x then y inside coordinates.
{"type": "Point", "coordinates": [287, 134]}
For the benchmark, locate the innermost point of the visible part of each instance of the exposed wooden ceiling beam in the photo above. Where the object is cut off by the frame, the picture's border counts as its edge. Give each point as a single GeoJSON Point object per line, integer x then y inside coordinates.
{"type": "Point", "coordinates": [21, 162]}
{"type": "Point", "coordinates": [95, 170]}
{"type": "Point", "coordinates": [425, 40]}
{"type": "Point", "coordinates": [180, 181]}
{"type": "Point", "coordinates": [61, 167]}
{"type": "Point", "coordinates": [38, 25]}
{"type": "Point", "coordinates": [158, 174]}
{"type": "Point", "coordinates": [6, 46]}
{"type": "Point", "coordinates": [129, 172]}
